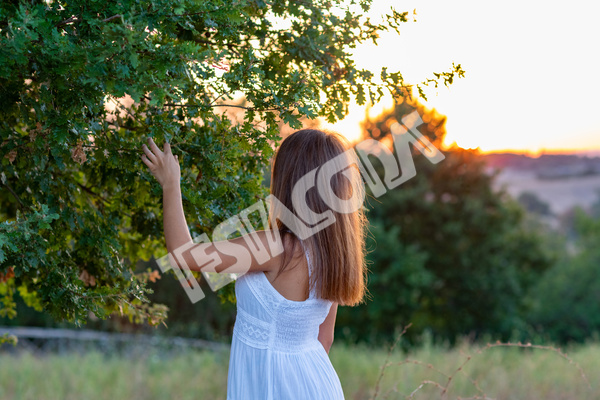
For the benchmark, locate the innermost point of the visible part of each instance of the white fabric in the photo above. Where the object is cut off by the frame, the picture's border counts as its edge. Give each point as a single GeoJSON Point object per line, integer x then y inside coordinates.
{"type": "Point", "coordinates": [275, 351]}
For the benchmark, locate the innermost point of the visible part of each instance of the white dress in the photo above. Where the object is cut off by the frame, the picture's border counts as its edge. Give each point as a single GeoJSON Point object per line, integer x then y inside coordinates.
{"type": "Point", "coordinates": [275, 351]}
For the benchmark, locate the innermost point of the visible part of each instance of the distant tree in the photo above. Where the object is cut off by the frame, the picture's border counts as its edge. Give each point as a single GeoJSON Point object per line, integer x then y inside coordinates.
{"type": "Point", "coordinates": [534, 204]}
{"type": "Point", "coordinates": [83, 83]}
{"type": "Point", "coordinates": [565, 303]}
{"type": "Point", "coordinates": [567, 224]}
{"type": "Point", "coordinates": [449, 253]}
{"type": "Point", "coordinates": [595, 208]}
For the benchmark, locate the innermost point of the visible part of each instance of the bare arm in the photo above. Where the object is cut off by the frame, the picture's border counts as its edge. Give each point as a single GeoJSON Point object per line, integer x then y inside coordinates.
{"type": "Point", "coordinates": [165, 168]}
{"type": "Point", "coordinates": [326, 328]}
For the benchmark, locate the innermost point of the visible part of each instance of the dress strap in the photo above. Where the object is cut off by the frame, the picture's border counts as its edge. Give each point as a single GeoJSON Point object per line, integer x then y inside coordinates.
{"type": "Point", "coordinates": [307, 259]}
{"type": "Point", "coordinates": [312, 291]}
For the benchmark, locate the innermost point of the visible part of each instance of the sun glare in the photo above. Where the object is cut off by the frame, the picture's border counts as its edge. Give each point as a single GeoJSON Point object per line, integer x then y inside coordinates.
{"type": "Point", "coordinates": [529, 87]}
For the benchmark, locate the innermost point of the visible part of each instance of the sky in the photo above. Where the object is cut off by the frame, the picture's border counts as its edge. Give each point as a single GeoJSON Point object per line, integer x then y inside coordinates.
{"type": "Point", "coordinates": [532, 80]}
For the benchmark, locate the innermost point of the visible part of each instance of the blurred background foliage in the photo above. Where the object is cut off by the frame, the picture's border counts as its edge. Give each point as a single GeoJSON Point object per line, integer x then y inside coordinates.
{"type": "Point", "coordinates": [84, 83]}
{"type": "Point", "coordinates": [448, 253]}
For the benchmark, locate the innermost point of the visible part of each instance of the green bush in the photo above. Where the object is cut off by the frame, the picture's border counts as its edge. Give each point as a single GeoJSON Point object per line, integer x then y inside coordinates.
{"type": "Point", "coordinates": [83, 83]}
{"type": "Point", "coordinates": [565, 303]}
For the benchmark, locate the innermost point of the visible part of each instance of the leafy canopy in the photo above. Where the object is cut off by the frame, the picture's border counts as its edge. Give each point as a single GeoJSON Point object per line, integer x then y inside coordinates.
{"type": "Point", "coordinates": [84, 82]}
{"type": "Point", "coordinates": [448, 251]}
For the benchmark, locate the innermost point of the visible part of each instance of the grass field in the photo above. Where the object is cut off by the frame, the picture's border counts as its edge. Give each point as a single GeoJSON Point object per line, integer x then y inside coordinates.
{"type": "Point", "coordinates": [495, 372]}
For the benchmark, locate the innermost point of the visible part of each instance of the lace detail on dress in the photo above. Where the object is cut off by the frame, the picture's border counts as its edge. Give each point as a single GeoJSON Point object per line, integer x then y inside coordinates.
{"type": "Point", "coordinates": [252, 331]}
{"type": "Point", "coordinates": [283, 325]}
{"type": "Point", "coordinates": [275, 351]}
{"type": "Point", "coordinates": [294, 324]}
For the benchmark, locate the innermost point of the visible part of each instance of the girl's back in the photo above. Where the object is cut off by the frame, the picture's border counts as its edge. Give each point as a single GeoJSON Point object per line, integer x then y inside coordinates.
{"type": "Point", "coordinates": [275, 351]}
{"type": "Point", "coordinates": [286, 304]}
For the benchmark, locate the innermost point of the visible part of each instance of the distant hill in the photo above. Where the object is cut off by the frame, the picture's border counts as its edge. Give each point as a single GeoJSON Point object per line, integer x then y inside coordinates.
{"type": "Point", "coordinates": [546, 166]}
{"type": "Point", "coordinates": [562, 181]}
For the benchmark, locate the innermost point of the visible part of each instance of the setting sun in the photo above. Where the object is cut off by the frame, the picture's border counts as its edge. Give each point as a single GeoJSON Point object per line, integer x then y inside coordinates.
{"type": "Point", "coordinates": [531, 78]}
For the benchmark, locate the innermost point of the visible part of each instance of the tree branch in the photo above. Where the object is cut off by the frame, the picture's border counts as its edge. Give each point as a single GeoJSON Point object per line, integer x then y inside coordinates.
{"type": "Point", "coordinates": [72, 18]}
{"type": "Point", "coordinates": [111, 18]}
{"type": "Point", "coordinates": [90, 191]}
{"type": "Point", "coordinates": [23, 206]}
{"type": "Point", "coordinates": [224, 105]}
{"type": "Point", "coordinates": [185, 15]}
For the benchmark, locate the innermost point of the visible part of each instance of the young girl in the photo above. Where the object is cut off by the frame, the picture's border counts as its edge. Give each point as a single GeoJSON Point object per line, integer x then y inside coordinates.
{"type": "Point", "coordinates": [286, 307]}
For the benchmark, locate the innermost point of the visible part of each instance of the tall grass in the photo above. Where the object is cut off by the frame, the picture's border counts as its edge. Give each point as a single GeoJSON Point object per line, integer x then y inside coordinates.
{"type": "Point", "coordinates": [466, 371]}
{"type": "Point", "coordinates": [471, 371]}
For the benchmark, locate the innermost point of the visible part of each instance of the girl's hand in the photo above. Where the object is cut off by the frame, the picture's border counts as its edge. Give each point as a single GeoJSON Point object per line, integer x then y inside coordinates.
{"type": "Point", "coordinates": [163, 165]}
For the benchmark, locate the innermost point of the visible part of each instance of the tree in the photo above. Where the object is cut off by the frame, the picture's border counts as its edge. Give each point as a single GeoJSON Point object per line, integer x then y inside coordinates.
{"type": "Point", "coordinates": [83, 83]}
{"type": "Point", "coordinates": [448, 252]}
{"type": "Point", "coordinates": [564, 305]}
{"type": "Point", "coordinates": [532, 203]}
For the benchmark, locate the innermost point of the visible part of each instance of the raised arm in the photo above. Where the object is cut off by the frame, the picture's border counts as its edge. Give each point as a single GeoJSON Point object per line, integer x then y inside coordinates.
{"type": "Point", "coordinates": [165, 168]}
{"type": "Point", "coordinates": [233, 254]}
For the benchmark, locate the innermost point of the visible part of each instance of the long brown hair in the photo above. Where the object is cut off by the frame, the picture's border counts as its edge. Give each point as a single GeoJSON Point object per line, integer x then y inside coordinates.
{"type": "Point", "coordinates": [337, 252]}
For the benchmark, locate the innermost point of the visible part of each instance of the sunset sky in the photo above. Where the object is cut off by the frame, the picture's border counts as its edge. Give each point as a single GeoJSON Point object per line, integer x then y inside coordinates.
{"type": "Point", "coordinates": [532, 81]}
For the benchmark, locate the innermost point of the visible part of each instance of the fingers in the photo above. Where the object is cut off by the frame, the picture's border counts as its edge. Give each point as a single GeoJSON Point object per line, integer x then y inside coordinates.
{"type": "Point", "coordinates": [154, 154]}
{"type": "Point", "coordinates": [154, 147]}
{"type": "Point", "coordinates": [147, 162]}
{"type": "Point", "coordinates": [148, 153]}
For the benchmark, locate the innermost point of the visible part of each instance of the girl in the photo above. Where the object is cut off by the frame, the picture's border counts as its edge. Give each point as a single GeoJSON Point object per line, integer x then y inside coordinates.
{"type": "Point", "coordinates": [286, 306]}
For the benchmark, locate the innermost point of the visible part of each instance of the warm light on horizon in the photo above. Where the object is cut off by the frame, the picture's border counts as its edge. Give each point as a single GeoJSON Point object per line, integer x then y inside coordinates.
{"type": "Point", "coordinates": [350, 128]}
{"type": "Point", "coordinates": [531, 84]}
